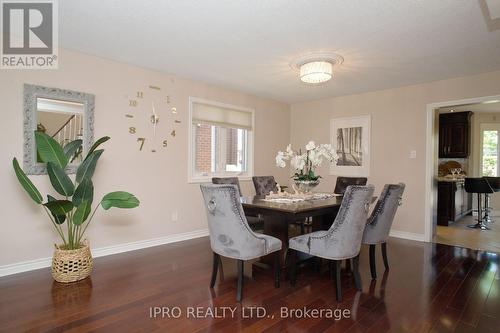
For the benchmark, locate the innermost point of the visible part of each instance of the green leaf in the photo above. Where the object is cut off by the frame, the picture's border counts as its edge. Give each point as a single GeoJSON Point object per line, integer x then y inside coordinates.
{"type": "Point", "coordinates": [84, 192]}
{"type": "Point", "coordinates": [78, 153]}
{"type": "Point", "coordinates": [81, 213]}
{"type": "Point", "coordinates": [26, 183]}
{"type": "Point", "coordinates": [87, 167]}
{"type": "Point", "coordinates": [71, 148]}
{"type": "Point", "coordinates": [49, 150]}
{"type": "Point", "coordinates": [97, 144]}
{"type": "Point", "coordinates": [59, 207]}
{"type": "Point", "coordinates": [60, 180]}
{"type": "Point", "coordinates": [59, 219]}
{"type": "Point", "coordinates": [119, 199]}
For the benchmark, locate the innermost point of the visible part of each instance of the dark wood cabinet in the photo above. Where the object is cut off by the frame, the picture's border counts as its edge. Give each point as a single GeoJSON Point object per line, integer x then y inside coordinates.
{"type": "Point", "coordinates": [453, 202]}
{"type": "Point", "coordinates": [454, 134]}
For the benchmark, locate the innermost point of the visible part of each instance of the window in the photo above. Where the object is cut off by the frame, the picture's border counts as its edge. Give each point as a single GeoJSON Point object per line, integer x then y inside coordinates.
{"type": "Point", "coordinates": [221, 138]}
{"type": "Point", "coordinates": [490, 150]}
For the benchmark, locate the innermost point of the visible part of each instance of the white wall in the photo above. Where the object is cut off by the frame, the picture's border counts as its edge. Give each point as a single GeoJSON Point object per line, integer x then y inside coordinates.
{"type": "Point", "coordinates": [398, 126]}
{"type": "Point", "coordinates": [159, 180]}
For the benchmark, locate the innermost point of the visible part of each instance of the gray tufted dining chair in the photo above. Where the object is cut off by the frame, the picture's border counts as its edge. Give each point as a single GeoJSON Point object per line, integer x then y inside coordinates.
{"type": "Point", "coordinates": [264, 184]}
{"type": "Point", "coordinates": [227, 180]}
{"type": "Point", "coordinates": [342, 183]}
{"type": "Point", "coordinates": [380, 222]}
{"type": "Point", "coordinates": [230, 234]}
{"type": "Point", "coordinates": [255, 222]}
{"type": "Point", "coordinates": [342, 240]}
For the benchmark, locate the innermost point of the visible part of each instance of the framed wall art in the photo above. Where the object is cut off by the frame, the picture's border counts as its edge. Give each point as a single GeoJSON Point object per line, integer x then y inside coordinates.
{"type": "Point", "coordinates": [350, 137]}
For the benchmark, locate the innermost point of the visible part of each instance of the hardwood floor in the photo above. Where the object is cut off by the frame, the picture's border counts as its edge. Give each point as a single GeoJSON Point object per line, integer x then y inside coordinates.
{"type": "Point", "coordinates": [429, 288]}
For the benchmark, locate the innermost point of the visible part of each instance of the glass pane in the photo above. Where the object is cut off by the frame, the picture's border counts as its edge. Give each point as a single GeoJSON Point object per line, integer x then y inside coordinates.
{"type": "Point", "coordinates": [219, 150]}
{"type": "Point", "coordinates": [490, 153]}
{"type": "Point", "coordinates": [203, 148]}
{"type": "Point", "coordinates": [235, 150]}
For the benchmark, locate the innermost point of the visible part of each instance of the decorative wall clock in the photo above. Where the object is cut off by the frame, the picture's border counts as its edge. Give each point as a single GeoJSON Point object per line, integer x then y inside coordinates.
{"type": "Point", "coordinates": [151, 118]}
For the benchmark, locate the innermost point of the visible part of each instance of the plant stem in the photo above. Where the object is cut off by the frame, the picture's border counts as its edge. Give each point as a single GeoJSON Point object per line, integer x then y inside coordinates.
{"type": "Point", "coordinates": [90, 220]}
{"type": "Point", "coordinates": [55, 225]}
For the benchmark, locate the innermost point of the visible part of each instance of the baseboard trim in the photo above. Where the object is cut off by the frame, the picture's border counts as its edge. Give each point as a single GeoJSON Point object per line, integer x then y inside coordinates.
{"type": "Point", "coordinates": [30, 265]}
{"type": "Point", "coordinates": [407, 235]}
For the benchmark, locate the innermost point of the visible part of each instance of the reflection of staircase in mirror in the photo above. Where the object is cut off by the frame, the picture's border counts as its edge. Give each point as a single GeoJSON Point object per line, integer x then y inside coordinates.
{"type": "Point", "coordinates": [71, 130]}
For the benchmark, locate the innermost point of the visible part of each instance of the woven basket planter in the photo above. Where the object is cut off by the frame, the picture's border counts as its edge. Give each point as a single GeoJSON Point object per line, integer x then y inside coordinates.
{"type": "Point", "coordinates": [71, 265]}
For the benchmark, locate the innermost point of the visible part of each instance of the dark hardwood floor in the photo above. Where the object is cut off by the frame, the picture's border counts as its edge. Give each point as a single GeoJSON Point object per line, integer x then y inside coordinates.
{"type": "Point", "coordinates": [429, 288]}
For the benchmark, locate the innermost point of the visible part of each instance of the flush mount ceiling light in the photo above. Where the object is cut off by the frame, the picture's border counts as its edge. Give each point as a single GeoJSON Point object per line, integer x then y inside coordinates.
{"type": "Point", "coordinates": [316, 68]}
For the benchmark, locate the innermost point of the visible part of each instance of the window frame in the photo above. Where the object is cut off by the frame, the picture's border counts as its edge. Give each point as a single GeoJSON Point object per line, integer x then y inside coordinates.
{"type": "Point", "coordinates": [488, 127]}
{"type": "Point", "coordinates": [196, 178]}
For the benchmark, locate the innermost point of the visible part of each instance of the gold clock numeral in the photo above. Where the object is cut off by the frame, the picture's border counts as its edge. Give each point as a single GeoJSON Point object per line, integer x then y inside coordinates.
{"type": "Point", "coordinates": [131, 130]}
{"type": "Point", "coordinates": [177, 121]}
{"type": "Point", "coordinates": [141, 140]}
{"type": "Point", "coordinates": [129, 116]}
{"type": "Point", "coordinates": [154, 87]}
{"type": "Point", "coordinates": [132, 103]}
{"type": "Point", "coordinates": [173, 133]}
{"type": "Point", "coordinates": [174, 110]}
{"type": "Point", "coordinates": [140, 94]}
{"type": "Point", "coordinates": [165, 143]}
{"type": "Point", "coordinates": [153, 150]}
{"type": "Point", "coordinates": [168, 99]}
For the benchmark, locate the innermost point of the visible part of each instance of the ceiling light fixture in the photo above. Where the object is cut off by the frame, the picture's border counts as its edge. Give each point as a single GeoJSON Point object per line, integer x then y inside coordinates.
{"type": "Point", "coordinates": [492, 101]}
{"type": "Point", "coordinates": [316, 72]}
{"type": "Point", "coordinates": [316, 68]}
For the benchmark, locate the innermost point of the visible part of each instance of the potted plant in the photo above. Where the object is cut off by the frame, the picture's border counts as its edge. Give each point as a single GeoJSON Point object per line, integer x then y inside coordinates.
{"type": "Point", "coordinates": [304, 164]}
{"type": "Point", "coordinates": [71, 212]}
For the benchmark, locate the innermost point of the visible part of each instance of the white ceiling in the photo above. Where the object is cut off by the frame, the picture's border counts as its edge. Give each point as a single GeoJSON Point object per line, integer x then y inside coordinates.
{"type": "Point", "coordinates": [248, 45]}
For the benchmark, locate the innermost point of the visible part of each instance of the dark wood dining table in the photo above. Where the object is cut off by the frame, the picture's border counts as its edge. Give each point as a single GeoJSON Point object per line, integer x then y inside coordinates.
{"type": "Point", "coordinates": [278, 216]}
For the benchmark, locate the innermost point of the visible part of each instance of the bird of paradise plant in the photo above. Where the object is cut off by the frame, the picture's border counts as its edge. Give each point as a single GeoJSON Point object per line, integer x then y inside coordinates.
{"type": "Point", "coordinates": [72, 213]}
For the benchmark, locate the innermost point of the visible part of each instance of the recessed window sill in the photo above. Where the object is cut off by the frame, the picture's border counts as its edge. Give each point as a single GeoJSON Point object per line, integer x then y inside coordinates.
{"type": "Point", "coordinates": [208, 179]}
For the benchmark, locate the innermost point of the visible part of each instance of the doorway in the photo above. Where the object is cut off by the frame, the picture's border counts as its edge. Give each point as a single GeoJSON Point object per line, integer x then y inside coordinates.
{"type": "Point", "coordinates": [482, 160]}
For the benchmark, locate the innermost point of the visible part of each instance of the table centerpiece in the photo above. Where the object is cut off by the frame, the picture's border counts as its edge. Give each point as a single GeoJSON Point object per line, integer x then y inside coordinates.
{"type": "Point", "coordinates": [305, 164]}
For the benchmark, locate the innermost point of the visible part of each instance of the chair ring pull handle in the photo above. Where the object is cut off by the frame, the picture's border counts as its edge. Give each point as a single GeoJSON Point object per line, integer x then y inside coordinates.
{"type": "Point", "coordinates": [212, 205]}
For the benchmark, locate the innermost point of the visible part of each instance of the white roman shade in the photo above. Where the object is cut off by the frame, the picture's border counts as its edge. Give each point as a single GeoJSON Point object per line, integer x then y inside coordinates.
{"type": "Point", "coordinates": [203, 113]}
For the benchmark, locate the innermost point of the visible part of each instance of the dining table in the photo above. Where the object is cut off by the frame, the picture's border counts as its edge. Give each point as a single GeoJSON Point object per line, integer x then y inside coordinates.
{"type": "Point", "coordinates": [278, 216]}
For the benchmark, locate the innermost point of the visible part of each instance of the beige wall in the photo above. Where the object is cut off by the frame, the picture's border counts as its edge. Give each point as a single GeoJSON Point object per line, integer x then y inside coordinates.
{"type": "Point", "coordinates": [159, 180]}
{"type": "Point", "coordinates": [398, 126]}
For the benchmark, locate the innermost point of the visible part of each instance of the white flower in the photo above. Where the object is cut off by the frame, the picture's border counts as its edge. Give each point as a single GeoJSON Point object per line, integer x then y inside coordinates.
{"type": "Point", "coordinates": [298, 162]}
{"type": "Point", "coordinates": [280, 160]}
{"type": "Point", "coordinates": [315, 157]}
{"type": "Point", "coordinates": [311, 145]}
{"type": "Point", "coordinates": [289, 150]}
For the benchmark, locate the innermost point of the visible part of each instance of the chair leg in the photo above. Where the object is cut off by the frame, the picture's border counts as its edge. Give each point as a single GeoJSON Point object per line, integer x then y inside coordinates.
{"type": "Point", "coordinates": [348, 265]}
{"type": "Point", "coordinates": [277, 269]}
{"type": "Point", "coordinates": [373, 267]}
{"type": "Point", "coordinates": [355, 271]}
{"type": "Point", "coordinates": [302, 228]}
{"type": "Point", "coordinates": [338, 286]}
{"type": "Point", "coordinates": [331, 268]}
{"type": "Point", "coordinates": [221, 269]}
{"type": "Point", "coordinates": [215, 268]}
{"type": "Point", "coordinates": [317, 264]}
{"type": "Point", "coordinates": [292, 258]}
{"type": "Point", "coordinates": [240, 280]}
{"type": "Point", "coordinates": [384, 255]}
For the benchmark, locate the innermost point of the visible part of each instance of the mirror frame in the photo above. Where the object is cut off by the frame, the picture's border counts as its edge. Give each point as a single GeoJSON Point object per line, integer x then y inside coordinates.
{"type": "Point", "coordinates": [31, 93]}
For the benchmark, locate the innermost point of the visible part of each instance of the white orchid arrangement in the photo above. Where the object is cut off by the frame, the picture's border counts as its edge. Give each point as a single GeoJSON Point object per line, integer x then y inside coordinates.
{"type": "Point", "coordinates": [304, 164]}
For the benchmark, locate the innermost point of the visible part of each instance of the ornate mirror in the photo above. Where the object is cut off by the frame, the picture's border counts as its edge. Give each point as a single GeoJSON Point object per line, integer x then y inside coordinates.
{"type": "Point", "coordinates": [64, 115]}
